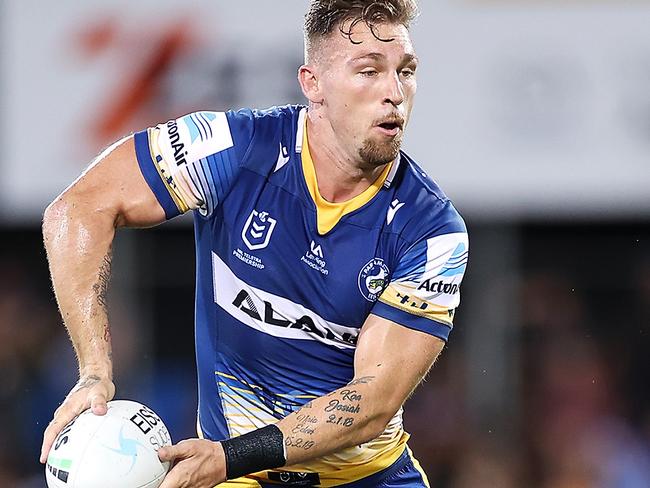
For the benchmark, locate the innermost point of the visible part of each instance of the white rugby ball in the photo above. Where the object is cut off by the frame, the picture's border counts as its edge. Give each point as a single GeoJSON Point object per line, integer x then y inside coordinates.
{"type": "Point", "coordinates": [116, 450]}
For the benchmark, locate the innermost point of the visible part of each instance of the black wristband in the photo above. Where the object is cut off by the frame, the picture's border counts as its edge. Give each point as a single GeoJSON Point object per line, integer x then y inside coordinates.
{"type": "Point", "coordinates": [258, 450]}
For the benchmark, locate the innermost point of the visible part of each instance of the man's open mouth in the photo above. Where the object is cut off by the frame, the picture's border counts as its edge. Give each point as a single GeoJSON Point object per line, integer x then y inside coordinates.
{"type": "Point", "coordinates": [390, 125]}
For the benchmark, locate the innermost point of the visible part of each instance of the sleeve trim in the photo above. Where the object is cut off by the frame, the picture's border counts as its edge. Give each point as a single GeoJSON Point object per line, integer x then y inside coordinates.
{"type": "Point", "coordinates": [152, 176]}
{"type": "Point", "coordinates": [415, 322]}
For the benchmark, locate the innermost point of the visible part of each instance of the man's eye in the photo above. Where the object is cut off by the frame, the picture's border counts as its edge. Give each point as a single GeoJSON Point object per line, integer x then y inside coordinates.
{"type": "Point", "coordinates": [369, 72]}
{"type": "Point", "coordinates": [408, 72]}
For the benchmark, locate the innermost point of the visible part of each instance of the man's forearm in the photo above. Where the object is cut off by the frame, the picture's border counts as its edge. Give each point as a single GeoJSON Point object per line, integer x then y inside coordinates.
{"type": "Point", "coordinates": [346, 417]}
{"type": "Point", "coordinates": [78, 245]}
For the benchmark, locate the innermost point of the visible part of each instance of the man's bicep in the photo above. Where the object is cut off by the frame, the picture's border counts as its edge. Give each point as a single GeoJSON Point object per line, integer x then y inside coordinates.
{"type": "Point", "coordinates": [113, 187]}
{"type": "Point", "coordinates": [395, 357]}
{"type": "Point", "coordinates": [138, 205]}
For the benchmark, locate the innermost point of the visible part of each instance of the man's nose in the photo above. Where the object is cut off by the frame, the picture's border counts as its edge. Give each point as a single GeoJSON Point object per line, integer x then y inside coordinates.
{"type": "Point", "coordinates": [394, 90]}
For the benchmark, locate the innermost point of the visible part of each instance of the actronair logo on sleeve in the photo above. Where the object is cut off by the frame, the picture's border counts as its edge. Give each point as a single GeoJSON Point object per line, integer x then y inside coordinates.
{"type": "Point", "coordinates": [457, 262]}
{"type": "Point", "coordinates": [447, 279]}
{"type": "Point", "coordinates": [193, 137]}
{"type": "Point", "coordinates": [446, 263]}
{"type": "Point", "coordinates": [199, 126]}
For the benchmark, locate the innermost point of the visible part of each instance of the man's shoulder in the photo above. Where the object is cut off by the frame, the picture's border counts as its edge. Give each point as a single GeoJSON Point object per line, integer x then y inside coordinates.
{"type": "Point", "coordinates": [270, 131]}
{"type": "Point", "coordinates": [277, 114]}
{"type": "Point", "coordinates": [427, 210]}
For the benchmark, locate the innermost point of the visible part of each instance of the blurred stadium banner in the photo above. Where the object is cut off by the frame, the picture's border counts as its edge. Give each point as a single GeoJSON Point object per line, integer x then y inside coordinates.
{"type": "Point", "coordinates": [525, 109]}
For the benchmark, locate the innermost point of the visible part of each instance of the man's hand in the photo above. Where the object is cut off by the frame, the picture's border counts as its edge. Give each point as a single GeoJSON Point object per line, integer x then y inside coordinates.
{"type": "Point", "coordinates": [92, 392]}
{"type": "Point", "coordinates": [198, 464]}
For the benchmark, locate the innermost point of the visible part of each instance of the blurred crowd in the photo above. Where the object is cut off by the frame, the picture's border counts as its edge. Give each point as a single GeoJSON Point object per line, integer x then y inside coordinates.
{"type": "Point", "coordinates": [38, 365]}
{"type": "Point", "coordinates": [582, 338]}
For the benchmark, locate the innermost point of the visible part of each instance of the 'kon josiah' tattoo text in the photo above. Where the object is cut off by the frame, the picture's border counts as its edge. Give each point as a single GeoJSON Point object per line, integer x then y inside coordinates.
{"type": "Point", "coordinates": [343, 409]}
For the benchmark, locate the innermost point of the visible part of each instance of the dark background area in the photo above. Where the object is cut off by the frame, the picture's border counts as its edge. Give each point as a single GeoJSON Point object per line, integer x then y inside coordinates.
{"type": "Point", "coordinates": [543, 383]}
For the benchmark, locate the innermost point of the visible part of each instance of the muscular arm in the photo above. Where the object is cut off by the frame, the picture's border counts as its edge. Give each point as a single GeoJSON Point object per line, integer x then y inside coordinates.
{"type": "Point", "coordinates": [390, 361]}
{"type": "Point", "coordinates": [78, 231]}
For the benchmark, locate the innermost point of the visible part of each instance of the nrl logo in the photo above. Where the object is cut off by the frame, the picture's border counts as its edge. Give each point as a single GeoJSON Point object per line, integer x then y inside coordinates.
{"type": "Point", "coordinates": [257, 231]}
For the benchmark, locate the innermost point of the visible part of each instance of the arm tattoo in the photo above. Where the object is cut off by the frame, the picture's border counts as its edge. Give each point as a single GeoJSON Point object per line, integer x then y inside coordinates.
{"type": "Point", "coordinates": [87, 382]}
{"type": "Point", "coordinates": [101, 287]}
{"type": "Point", "coordinates": [344, 409]}
{"type": "Point", "coordinates": [363, 380]}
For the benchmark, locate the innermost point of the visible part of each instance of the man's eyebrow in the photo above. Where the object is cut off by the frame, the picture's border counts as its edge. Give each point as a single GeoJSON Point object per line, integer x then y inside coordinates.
{"type": "Point", "coordinates": [408, 57]}
{"type": "Point", "coordinates": [373, 56]}
{"type": "Point", "coordinates": [411, 58]}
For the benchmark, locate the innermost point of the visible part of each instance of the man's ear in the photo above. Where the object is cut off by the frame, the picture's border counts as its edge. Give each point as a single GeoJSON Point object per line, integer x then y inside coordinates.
{"type": "Point", "coordinates": [310, 83]}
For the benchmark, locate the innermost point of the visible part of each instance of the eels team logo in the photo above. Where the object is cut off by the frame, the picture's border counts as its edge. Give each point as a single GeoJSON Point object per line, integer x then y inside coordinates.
{"type": "Point", "coordinates": [373, 278]}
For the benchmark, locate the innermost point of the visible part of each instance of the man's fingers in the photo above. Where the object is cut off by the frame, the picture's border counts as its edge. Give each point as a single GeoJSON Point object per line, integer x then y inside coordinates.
{"type": "Point", "coordinates": [177, 477]}
{"type": "Point", "coordinates": [170, 453]}
{"type": "Point", "coordinates": [68, 410]}
{"type": "Point", "coordinates": [48, 439]}
{"type": "Point", "coordinates": [196, 464]}
{"type": "Point", "coordinates": [174, 477]}
{"type": "Point", "coordinates": [172, 480]}
{"type": "Point", "coordinates": [86, 394]}
{"type": "Point", "coordinates": [166, 453]}
{"type": "Point", "coordinates": [98, 404]}
{"type": "Point", "coordinates": [64, 414]}
{"type": "Point", "coordinates": [181, 450]}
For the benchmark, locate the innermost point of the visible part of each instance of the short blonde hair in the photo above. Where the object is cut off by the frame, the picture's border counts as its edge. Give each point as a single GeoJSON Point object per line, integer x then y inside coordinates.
{"type": "Point", "coordinates": [324, 16]}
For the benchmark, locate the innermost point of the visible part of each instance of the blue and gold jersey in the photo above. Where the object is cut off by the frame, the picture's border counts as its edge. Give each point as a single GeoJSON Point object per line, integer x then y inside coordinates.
{"type": "Point", "coordinates": [285, 279]}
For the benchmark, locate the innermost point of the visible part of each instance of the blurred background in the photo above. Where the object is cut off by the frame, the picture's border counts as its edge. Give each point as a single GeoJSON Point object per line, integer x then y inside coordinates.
{"type": "Point", "coordinates": [533, 115]}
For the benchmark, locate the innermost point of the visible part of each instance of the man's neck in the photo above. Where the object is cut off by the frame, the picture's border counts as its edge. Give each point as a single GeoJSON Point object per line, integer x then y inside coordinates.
{"type": "Point", "coordinates": [340, 176]}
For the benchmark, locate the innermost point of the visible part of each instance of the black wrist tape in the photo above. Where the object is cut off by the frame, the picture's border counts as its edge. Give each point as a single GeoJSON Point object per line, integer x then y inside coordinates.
{"type": "Point", "coordinates": [258, 450]}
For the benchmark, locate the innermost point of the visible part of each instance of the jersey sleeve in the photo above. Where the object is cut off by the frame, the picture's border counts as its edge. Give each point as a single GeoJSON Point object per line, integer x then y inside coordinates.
{"type": "Point", "coordinates": [424, 290]}
{"type": "Point", "coordinates": [190, 163]}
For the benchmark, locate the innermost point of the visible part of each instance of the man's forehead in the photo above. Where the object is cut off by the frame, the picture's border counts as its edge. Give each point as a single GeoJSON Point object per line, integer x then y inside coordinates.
{"type": "Point", "coordinates": [359, 40]}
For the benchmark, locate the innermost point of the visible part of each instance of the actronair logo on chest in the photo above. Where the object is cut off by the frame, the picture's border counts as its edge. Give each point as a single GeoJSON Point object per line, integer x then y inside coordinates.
{"type": "Point", "coordinates": [273, 314]}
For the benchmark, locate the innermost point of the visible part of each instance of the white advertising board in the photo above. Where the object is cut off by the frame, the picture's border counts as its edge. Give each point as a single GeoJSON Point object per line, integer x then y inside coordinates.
{"type": "Point", "coordinates": [524, 109]}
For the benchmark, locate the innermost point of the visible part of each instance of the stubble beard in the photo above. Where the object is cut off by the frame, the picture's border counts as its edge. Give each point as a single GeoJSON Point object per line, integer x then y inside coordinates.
{"type": "Point", "coordinates": [375, 154]}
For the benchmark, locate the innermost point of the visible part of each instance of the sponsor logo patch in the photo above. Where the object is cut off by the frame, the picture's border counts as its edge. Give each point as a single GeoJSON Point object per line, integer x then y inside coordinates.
{"type": "Point", "coordinates": [268, 314]}
{"type": "Point", "coordinates": [456, 263]}
{"type": "Point", "coordinates": [273, 314]}
{"type": "Point", "coordinates": [439, 286]}
{"type": "Point", "coordinates": [315, 259]}
{"type": "Point", "coordinates": [176, 143]}
{"type": "Point", "coordinates": [198, 125]}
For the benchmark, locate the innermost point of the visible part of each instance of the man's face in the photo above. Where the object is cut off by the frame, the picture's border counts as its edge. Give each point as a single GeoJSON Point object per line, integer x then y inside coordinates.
{"type": "Point", "coordinates": [368, 89]}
